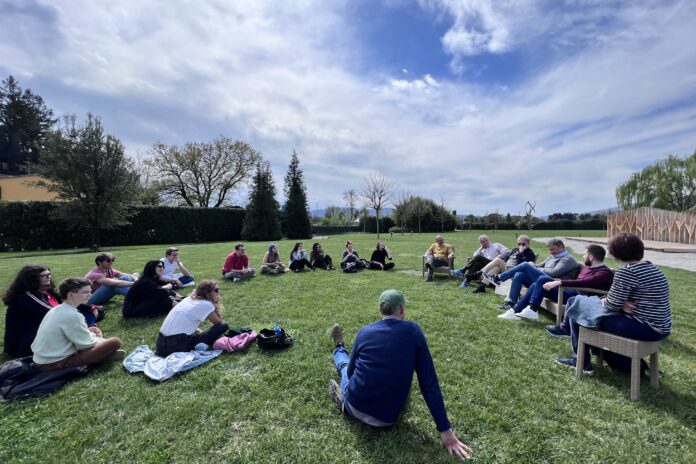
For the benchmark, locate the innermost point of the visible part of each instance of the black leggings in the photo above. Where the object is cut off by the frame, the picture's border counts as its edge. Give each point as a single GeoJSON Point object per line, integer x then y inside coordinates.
{"type": "Point", "coordinates": [167, 345]}
{"type": "Point", "coordinates": [147, 308]}
{"type": "Point", "coordinates": [300, 264]}
{"type": "Point", "coordinates": [324, 262]}
{"type": "Point", "coordinates": [375, 266]}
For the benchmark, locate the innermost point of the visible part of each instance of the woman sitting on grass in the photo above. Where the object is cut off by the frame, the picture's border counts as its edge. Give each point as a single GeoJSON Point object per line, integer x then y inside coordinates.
{"type": "Point", "coordinates": [63, 339]}
{"type": "Point", "coordinates": [319, 259]}
{"type": "Point", "coordinates": [29, 298]}
{"type": "Point", "coordinates": [350, 255]}
{"type": "Point", "coordinates": [271, 264]}
{"type": "Point", "coordinates": [150, 295]}
{"type": "Point", "coordinates": [299, 258]}
{"type": "Point", "coordinates": [180, 332]}
{"type": "Point", "coordinates": [379, 257]}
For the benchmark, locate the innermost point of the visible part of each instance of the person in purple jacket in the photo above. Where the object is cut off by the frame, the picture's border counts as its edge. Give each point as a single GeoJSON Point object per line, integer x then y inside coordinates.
{"type": "Point", "coordinates": [376, 377]}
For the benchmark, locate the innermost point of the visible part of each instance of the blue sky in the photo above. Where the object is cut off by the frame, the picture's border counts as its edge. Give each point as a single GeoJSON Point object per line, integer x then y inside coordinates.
{"type": "Point", "coordinates": [486, 104]}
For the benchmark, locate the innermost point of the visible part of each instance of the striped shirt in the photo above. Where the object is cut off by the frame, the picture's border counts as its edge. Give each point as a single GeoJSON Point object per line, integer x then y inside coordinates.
{"type": "Point", "coordinates": [645, 285]}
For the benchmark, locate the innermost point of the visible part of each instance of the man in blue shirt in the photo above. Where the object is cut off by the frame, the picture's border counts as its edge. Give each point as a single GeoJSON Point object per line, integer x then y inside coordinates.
{"type": "Point", "coordinates": [376, 377]}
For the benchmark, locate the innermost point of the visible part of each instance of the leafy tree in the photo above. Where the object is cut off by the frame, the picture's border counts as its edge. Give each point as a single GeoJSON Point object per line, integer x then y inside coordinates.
{"type": "Point", "coordinates": [202, 173]}
{"type": "Point", "coordinates": [377, 191]}
{"type": "Point", "coordinates": [262, 219]}
{"type": "Point", "coordinates": [296, 220]}
{"type": "Point", "coordinates": [89, 170]}
{"type": "Point", "coordinates": [668, 184]}
{"type": "Point", "coordinates": [351, 198]}
{"type": "Point", "coordinates": [334, 216]}
{"type": "Point", "coordinates": [24, 124]}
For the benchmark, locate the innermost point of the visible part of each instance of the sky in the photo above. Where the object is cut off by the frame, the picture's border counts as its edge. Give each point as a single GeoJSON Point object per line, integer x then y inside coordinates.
{"type": "Point", "coordinates": [484, 105]}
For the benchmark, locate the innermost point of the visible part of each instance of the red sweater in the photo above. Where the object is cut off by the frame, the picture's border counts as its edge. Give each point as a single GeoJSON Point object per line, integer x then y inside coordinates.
{"type": "Point", "coordinates": [599, 277]}
{"type": "Point", "coordinates": [234, 262]}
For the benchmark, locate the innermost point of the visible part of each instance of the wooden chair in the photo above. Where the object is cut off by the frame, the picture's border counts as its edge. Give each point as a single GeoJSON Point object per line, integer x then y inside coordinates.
{"type": "Point", "coordinates": [440, 269]}
{"type": "Point", "coordinates": [634, 349]}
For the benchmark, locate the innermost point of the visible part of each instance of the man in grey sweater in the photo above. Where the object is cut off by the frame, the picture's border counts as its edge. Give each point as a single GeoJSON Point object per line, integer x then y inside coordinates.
{"type": "Point", "coordinates": [560, 265]}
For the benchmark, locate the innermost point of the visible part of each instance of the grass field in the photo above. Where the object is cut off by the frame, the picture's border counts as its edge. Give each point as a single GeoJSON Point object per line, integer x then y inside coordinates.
{"type": "Point", "coordinates": [505, 396]}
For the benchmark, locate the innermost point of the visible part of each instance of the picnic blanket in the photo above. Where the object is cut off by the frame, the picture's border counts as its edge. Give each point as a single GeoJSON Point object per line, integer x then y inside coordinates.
{"type": "Point", "coordinates": [142, 359]}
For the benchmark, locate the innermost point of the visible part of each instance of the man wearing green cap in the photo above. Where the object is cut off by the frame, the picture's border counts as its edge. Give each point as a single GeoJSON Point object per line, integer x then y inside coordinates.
{"type": "Point", "coordinates": [376, 377]}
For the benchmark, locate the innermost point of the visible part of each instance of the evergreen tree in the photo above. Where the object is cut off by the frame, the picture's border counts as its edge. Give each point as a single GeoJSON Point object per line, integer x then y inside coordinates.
{"type": "Point", "coordinates": [89, 170]}
{"type": "Point", "coordinates": [24, 125]}
{"type": "Point", "coordinates": [262, 219]}
{"type": "Point", "coordinates": [296, 219]}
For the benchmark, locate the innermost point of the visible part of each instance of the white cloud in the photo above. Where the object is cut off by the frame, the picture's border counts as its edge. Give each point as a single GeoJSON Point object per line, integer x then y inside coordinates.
{"type": "Point", "coordinates": [282, 77]}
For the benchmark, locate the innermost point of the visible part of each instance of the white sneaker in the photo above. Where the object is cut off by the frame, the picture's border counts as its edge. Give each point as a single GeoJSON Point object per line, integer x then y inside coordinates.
{"type": "Point", "coordinates": [236, 279]}
{"type": "Point", "coordinates": [509, 314]}
{"type": "Point", "coordinates": [529, 313]}
{"type": "Point", "coordinates": [190, 284]}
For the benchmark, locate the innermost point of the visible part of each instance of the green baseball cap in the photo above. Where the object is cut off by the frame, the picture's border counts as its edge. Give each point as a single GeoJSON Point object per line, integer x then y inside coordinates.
{"type": "Point", "coordinates": [392, 297]}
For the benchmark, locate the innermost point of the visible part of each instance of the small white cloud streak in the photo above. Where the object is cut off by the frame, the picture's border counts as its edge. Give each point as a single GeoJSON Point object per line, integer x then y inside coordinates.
{"type": "Point", "coordinates": [281, 76]}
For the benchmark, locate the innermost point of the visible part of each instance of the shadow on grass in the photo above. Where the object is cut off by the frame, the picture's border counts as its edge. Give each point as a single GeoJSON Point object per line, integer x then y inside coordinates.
{"type": "Point", "coordinates": [680, 405]}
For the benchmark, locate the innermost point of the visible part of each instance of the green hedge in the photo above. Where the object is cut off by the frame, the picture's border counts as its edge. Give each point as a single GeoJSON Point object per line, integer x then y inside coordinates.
{"type": "Point", "coordinates": [33, 225]}
{"type": "Point", "coordinates": [333, 230]}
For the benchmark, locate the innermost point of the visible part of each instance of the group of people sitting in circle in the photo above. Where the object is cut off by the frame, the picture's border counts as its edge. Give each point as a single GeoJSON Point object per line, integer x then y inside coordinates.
{"type": "Point", "coordinates": [236, 266]}
{"type": "Point", "coordinates": [635, 301]}
{"type": "Point", "coordinates": [58, 328]}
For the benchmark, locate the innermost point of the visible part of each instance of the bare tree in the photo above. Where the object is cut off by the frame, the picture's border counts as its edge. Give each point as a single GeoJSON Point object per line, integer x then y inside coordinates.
{"type": "Point", "coordinates": [351, 198]}
{"type": "Point", "coordinates": [377, 191]}
{"type": "Point", "coordinates": [202, 174]}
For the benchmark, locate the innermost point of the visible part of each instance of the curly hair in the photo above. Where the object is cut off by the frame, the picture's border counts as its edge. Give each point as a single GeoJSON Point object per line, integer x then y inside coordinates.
{"type": "Point", "coordinates": [28, 279]}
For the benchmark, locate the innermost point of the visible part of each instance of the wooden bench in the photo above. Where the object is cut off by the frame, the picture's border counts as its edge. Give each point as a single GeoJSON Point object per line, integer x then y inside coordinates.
{"type": "Point", "coordinates": [634, 349]}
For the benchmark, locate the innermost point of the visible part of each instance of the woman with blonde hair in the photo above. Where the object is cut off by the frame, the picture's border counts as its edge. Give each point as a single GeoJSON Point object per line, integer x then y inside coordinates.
{"type": "Point", "coordinates": [180, 332]}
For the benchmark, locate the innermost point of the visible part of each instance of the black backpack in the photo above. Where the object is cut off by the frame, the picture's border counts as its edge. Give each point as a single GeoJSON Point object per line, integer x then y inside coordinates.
{"type": "Point", "coordinates": [269, 339]}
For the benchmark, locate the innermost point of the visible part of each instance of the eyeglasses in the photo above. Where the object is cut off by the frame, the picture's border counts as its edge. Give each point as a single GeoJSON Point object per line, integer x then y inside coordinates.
{"type": "Point", "coordinates": [45, 276]}
{"type": "Point", "coordinates": [113, 260]}
{"type": "Point", "coordinates": [522, 244]}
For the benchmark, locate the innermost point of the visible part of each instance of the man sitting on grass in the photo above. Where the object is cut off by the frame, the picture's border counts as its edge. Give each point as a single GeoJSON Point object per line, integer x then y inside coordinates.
{"type": "Point", "coordinates": [236, 265]}
{"type": "Point", "coordinates": [376, 377]}
{"type": "Point", "coordinates": [172, 264]}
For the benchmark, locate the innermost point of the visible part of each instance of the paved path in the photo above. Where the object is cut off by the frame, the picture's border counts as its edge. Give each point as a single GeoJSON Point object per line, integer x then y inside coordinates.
{"type": "Point", "coordinates": [679, 256]}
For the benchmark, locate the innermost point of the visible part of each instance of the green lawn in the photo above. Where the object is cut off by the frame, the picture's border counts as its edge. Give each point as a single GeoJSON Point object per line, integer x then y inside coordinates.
{"type": "Point", "coordinates": [505, 396]}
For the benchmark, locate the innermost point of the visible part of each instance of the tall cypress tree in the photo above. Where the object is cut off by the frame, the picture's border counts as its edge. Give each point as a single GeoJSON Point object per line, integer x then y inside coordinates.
{"type": "Point", "coordinates": [296, 222]}
{"type": "Point", "coordinates": [262, 219]}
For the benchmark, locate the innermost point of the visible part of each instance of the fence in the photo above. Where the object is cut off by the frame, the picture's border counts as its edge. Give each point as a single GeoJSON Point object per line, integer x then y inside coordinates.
{"type": "Point", "coordinates": [654, 224]}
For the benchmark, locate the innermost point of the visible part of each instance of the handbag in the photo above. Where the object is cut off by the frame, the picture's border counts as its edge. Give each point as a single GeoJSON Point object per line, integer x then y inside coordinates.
{"type": "Point", "coordinates": [271, 339]}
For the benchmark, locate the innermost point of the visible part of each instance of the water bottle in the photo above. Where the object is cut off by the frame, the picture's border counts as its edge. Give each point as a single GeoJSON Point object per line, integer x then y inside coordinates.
{"type": "Point", "coordinates": [277, 330]}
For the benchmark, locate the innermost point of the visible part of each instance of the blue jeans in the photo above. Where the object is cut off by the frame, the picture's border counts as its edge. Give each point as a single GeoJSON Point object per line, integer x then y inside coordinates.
{"type": "Point", "coordinates": [104, 293]}
{"type": "Point", "coordinates": [184, 280]}
{"type": "Point", "coordinates": [523, 275]}
{"type": "Point", "coordinates": [536, 294]}
{"type": "Point", "coordinates": [341, 361]}
{"type": "Point", "coordinates": [621, 325]}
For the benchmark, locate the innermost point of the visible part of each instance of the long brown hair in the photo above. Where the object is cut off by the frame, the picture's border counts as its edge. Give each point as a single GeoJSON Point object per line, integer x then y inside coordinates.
{"type": "Point", "coordinates": [206, 291]}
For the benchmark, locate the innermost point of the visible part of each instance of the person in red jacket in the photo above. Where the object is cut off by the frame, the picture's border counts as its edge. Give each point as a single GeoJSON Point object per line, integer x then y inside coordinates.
{"type": "Point", "coordinates": [236, 265]}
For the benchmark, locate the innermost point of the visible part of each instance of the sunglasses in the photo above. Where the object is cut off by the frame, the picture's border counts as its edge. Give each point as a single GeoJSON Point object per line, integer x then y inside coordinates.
{"type": "Point", "coordinates": [160, 265]}
{"type": "Point", "coordinates": [216, 290]}
{"type": "Point", "coordinates": [522, 244]}
{"type": "Point", "coordinates": [110, 260]}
